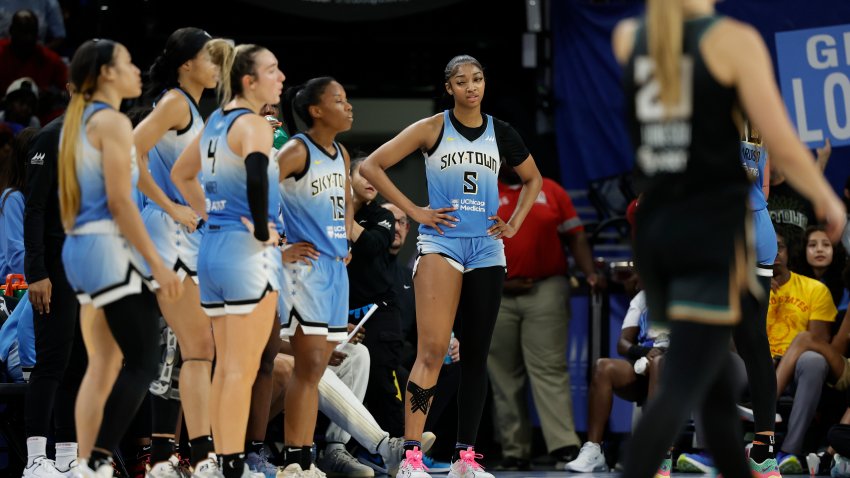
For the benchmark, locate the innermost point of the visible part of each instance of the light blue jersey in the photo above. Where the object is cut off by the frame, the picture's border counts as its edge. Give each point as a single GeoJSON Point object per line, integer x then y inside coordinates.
{"type": "Point", "coordinates": [753, 159]}
{"type": "Point", "coordinates": [235, 271]}
{"type": "Point", "coordinates": [162, 156]}
{"type": "Point", "coordinates": [101, 265]}
{"type": "Point", "coordinates": [224, 175]}
{"type": "Point", "coordinates": [93, 206]}
{"type": "Point", "coordinates": [464, 174]}
{"type": "Point", "coordinates": [314, 201]}
{"type": "Point", "coordinates": [177, 247]}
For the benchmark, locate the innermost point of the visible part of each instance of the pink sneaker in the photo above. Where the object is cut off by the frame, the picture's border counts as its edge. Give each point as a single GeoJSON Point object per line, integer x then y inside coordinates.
{"type": "Point", "coordinates": [467, 467]}
{"type": "Point", "coordinates": [412, 466]}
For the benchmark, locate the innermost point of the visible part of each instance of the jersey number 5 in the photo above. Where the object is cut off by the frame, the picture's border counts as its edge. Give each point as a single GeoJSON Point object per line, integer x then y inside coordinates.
{"type": "Point", "coordinates": [470, 182]}
{"type": "Point", "coordinates": [338, 206]}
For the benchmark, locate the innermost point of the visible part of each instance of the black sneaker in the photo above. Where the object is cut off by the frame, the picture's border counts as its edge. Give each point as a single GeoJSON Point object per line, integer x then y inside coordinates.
{"type": "Point", "coordinates": [564, 455]}
{"type": "Point", "coordinates": [510, 463]}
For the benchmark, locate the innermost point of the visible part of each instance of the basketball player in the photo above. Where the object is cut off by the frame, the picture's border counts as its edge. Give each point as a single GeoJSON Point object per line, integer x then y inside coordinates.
{"type": "Point", "coordinates": [178, 77]}
{"type": "Point", "coordinates": [316, 202]}
{"type": "Point", "coordinates": [107, 252]}
{"type": "Point", "coordinates": [238, 262]}
{"type": "Point", "coordinates": [461, 263]}
{"type": "Point", "coordinates": [685, 70]}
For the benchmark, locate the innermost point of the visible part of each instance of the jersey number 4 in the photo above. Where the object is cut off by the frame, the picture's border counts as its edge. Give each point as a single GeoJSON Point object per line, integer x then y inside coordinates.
{"type": "Point", "coordinates": [470, 182]}
{"type": "Point", "coordinates": [211, 152]}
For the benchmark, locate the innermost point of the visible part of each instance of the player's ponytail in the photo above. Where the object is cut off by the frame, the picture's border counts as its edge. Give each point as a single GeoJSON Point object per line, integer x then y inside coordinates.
{"type": "Point", "coordinates": [84, 72]}
{"type": "Point", "coordinates": [222, 52]}
{"type": "Point", "coordinates": [664, 22]}
{"type": "Point", "coordinates": [299, 99]}
{"type": "Point", "coordinates": [181, 46]}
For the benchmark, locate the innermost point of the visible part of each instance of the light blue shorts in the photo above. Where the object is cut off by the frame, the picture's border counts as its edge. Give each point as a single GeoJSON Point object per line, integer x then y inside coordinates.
{"type": "Point", "coordinates": [178, 248]}
{"type": "Point", "coordinates": [235, 272]}
{"type": "Point", "coordinates": [103, 267]}
{"type": "Point", "coordinates": [315, 297]}
{"type": "Point", "coordinates": [463, 253]}
{"type": "Point", "coordinates": [765, 238]}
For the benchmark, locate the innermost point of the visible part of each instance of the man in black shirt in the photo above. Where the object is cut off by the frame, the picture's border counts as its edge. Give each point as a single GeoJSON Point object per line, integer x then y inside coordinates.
{"type": "Point", "coordinates": [371, 282]}
{"type": "Point", "coordinates": [60, 354]}
{"type": "Point", "coordinates": [785, 204]}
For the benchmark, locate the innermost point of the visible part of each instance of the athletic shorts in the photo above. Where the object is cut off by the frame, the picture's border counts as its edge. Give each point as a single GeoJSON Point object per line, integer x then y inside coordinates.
{"type": "Point", "coordinates": [235, 271]}
{"type": "Point", "coordinates": [103, 267]}
{"type": "Point", "coordinates": [315, 297]}
{"type": "Point", "coordinates": [463, 253]}
{"type": "Point", "coordinates": [177, 247]}
{"type": "Point", "coordinates": [765, 238]}
{"type": "Point", "coordinates": [696, 259]}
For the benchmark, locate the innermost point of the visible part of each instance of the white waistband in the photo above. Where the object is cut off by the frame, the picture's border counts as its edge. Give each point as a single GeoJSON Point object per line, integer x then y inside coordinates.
{"type": "Point", "coordinates": [103, 226]}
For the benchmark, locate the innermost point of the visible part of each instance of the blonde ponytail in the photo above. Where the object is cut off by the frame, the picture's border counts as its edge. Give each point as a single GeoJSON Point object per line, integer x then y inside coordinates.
{"type": "Point", "coordinates": [69, 186]}
{"type": "Point", "coordinates": [665, 25]}
{"type": "Point", "coordinates": [222, 53]}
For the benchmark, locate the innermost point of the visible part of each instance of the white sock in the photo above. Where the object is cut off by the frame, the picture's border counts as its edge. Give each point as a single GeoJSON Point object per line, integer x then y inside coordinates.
{"type": "Point", "coordinates": [66, 454]}
{"type": "Point", "coordinates": [36, 447]}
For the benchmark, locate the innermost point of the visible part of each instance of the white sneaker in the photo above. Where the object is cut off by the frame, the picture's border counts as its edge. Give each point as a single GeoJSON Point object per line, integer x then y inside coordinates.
{"type": "Point", "coordinates": [82, 470]}
{"type": "Point", "coordinates": [467, 467]}
{"type": "Point", "coordinates": [207, 468]}
{"type": "Point", "coordinates": [590, 459]}
{"type": "Point", "coordinates": [293, 470]}
{"type": "Point", "coordinates": [840, 467]}
{"type": "Point", "coordinates": [42, 467]}
{"type": "Point", "coordinates": [412, 466]}
{"type": "Point", "coordinates": [396, 452]}
{"type": "Point", "coordinates": [313, 472]}
{"type": "Point", "coordinates": [339, 463]}
{"type": "Point", "coordinates": [69, 473]}
{"type": "Point", "coordinates": [165, 469]}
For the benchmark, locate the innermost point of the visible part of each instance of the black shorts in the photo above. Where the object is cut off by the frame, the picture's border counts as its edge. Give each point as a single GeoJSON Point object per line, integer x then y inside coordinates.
{"type": "Point", "coordinates": [696, 259]}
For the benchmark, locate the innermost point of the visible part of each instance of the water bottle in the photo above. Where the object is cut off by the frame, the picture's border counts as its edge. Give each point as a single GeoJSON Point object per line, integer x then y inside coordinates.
{"type": "Point", "coordinates": [448, 358]}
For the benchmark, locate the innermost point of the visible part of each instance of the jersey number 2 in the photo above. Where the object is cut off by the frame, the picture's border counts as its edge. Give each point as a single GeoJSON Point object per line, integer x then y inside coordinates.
{"type": "Point", "coordinates": [470, 182]}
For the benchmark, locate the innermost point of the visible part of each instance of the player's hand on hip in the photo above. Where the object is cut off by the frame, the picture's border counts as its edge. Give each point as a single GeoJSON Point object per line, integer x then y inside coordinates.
{"type": "Point", "coordinates": [500, 229]}
{"type": "Point", "coordinates": [300, 251]}
{"type": "Point", "coordinates": [436, 217]}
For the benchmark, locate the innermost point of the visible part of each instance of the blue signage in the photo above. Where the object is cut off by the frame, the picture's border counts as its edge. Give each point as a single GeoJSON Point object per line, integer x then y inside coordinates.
{"type": "Point", "coordinates": [814, 76]}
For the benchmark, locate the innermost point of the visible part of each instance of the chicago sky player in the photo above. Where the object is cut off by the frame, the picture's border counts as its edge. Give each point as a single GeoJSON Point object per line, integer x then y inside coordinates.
{"type": "Point", "coordinates": [461, 263]}
{"type": "Point", "coordinates": [315, 197]}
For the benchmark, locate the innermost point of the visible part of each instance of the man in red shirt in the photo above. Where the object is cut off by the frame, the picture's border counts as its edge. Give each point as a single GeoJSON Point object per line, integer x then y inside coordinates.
{"type": "Point", "coordinates": [21, 56]}
{"type": "Point", "coordinates": [530, 337]}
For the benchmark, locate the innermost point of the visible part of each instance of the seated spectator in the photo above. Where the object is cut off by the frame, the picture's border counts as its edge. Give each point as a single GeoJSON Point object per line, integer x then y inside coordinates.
{"type": "Point", "coordinates": [530, 338]}
{"type": "Point", "coordinates": [798, 304]}
{"type": "Point", "coordinates": [343, 408]}
{"type": "Point", "coordinates": [825, 262]}
{"type": "Point", "coordinates": [12, 181]}
{"type": "Point", "coordinates": [639, 343]}
{"type": "Point", "coordinates": [19, 105]}
{"type": "Point", "coordinates": [21, 56]}
{"type": "Point", "coordinates": [51, 22]}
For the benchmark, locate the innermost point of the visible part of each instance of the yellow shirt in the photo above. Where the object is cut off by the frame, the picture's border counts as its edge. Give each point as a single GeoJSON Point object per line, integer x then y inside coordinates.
{"type": "Point", "coordinates": [798, 302]}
